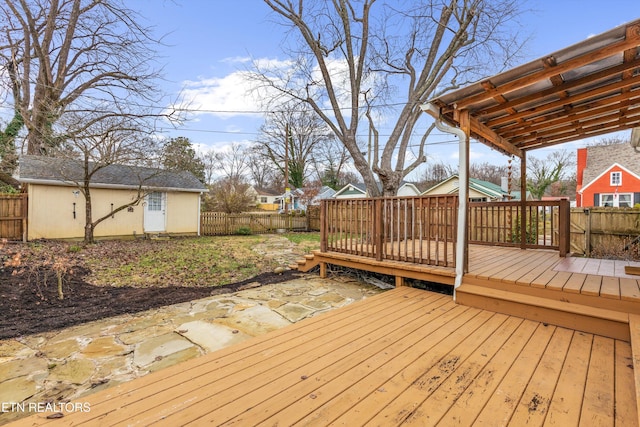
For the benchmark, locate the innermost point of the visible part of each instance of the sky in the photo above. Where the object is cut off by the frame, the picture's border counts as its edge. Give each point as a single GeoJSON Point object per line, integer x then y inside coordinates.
{"type": "Point", "coordinates": [208, 44]}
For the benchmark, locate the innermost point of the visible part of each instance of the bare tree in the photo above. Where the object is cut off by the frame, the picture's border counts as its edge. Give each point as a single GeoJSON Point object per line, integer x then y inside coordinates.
{"type": "Point", "coordinates": [609, 140]}
{"type": "Point", "coordinates": [74, 56]}
{"type": "Point", "coordinates": [95, 145]}
{"type": "Point", "coordinates": [330, 162]}
{"type": "Point", "coordinates": [230, 195]}
{"type": "Point", "coordinates": [435, 173]}
{"type": "Point", "coordinates": [210, 161]}
{"type": "Point", "coordinates": [233, 163]}
{"type": "Point", "coordinates": [542, 173]}
{"type": "Point", "coordinates": [354, 58]}
{"type": "Point", "coordinates": [262, 172]}
{"type": "Point", "coordinates": [493, 173]}
{"type": "Point", "coordinates": [306, 132]}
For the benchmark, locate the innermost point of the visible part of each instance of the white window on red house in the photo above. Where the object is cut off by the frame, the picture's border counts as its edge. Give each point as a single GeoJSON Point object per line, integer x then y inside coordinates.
{"type": "Point", "coordinates": [625, 200]}
{"type": "Point", "coordinates": [616, 178]}
{"type": "Point", "coordinates": [617, 200]}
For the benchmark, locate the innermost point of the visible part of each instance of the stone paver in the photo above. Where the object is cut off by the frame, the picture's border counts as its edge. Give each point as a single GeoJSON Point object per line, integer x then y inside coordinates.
{"type": "Point", "coordinates": [66, 365]}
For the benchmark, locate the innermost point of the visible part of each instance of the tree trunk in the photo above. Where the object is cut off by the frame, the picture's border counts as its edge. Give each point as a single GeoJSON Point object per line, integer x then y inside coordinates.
{"type": "Point", "coordinates": [88, 225]}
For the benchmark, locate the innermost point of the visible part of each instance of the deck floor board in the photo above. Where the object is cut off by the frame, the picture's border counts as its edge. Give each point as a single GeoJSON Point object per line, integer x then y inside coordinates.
{"type": "Point", "coordinates": [406, 356]}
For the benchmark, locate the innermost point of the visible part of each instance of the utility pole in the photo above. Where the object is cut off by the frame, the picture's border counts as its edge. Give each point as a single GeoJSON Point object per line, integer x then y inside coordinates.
{"type": "Point", "coordinates": [287, 190]}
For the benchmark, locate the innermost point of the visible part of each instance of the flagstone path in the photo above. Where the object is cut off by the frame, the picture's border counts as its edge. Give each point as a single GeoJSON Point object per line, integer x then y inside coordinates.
{"type": "Point", "coordinates": [64, 365]}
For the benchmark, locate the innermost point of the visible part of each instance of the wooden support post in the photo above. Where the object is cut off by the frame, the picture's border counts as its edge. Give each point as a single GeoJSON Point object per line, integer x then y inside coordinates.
{"type": "Point", "coordinates": [399, 281]}
{"type": "Point", "coordinates": [463, 191]}
{"type": "Point", "coordinates": [323, 270]}
{"type": "Point", "coordinates": [523, 200]}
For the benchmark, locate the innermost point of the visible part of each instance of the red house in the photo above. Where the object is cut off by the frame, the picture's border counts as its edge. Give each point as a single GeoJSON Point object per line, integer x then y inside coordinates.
{"type": "Point", "coordinates": [608, 175]}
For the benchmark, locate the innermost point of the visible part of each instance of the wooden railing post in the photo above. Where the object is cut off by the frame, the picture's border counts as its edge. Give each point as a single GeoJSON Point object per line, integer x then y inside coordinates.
{"type": "Point", "coordinates": [564, 228]}
{"type": "Point", "coordinates": [323, 225]}
{"type": "Point", "coordinates": [378, 227]}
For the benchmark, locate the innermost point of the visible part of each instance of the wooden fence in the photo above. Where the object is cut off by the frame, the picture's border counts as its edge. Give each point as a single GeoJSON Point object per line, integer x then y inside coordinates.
{"type": "Point", "coordinates": [609, 227]}
{"type": "Point", "coordinates": [13, 216]}
{"type": "Point", "coordinates": [223, 224]}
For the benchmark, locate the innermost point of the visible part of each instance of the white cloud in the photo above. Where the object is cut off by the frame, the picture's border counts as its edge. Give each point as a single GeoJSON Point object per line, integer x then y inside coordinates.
{"type": "Point", "coordinates": [222, 97]}
{"type": "Point", "coordinates": [232, 95]}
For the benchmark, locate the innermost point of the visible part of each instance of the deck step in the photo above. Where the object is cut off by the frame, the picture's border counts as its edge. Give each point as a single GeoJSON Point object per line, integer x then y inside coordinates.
{"type": "Point", "coordinates": [594, 320]}
{"type": "Point", "coordinates": [307, 263]}
{"type": "Point", "coordinates": [634, 326]}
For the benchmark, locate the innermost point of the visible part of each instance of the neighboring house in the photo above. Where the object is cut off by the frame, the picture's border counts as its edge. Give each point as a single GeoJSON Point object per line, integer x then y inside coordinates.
{"type": "Point", "coordinates": [359, 190]}
{"type": "Point", "coordinates": [294, 200]}
{"type": "Point", "coordinates": [408, 189]}
{"type": "Point", "coordinates": [323, 194]}
{"type": "Point", "coordinates": [266, 199]}
{"type": "Point", "coordinates": [57, 207]}
{"type": "Point", "coordinates": [608, 175]}
{"type": "Point", "coordinates": [351, 191]}
{"type": "Point", "coordinates": [479, 190]}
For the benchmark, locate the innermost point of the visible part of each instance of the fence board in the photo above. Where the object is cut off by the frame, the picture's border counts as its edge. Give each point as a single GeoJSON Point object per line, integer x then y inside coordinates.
{"type": "Point", "coordinates": [595, 227]}
{"type": "Point", "coordinates": [13, 216]}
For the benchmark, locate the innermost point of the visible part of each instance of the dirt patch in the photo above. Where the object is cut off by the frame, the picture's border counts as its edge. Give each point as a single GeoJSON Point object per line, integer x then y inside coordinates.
{"type": "Point", "coordinates": [30, 303]}
{"type": "Point", "coordinates": [29, 307]}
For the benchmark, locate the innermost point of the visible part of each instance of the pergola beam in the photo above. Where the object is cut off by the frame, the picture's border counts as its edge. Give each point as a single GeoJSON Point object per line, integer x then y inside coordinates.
{"type": "Point", "coordinates": [482, 131]}
{"type": "Point", "coordinates": [630, 41]}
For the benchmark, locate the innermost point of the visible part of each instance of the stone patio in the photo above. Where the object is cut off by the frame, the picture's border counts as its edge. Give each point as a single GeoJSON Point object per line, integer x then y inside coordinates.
{"type": "Point", "coordinates": [68, 364]}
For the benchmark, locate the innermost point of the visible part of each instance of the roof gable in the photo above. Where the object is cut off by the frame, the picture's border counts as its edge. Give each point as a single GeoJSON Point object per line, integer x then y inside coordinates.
{"type": "Point", "coordinates": [487, 188]}
{"type": "Point", "coordinates": [606, 171]}
{"type": "Point", "coordinates": [358, 188]}
{"type": "Point", "coordinates": [266, 192]}
{"type": "Point", "coordinates": [61, 171]}
{"type": "Point", "coordinates": [601, 158]}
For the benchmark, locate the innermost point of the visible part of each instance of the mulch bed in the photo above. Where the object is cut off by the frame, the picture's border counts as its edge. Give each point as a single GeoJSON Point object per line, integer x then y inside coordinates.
{"type": "Point", "coordinates": [27, 306]}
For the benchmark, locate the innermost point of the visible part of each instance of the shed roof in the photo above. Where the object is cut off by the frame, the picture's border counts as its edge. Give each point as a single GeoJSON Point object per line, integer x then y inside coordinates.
{"type": "Point", "coordinates": [62, 171]}
{"type": "Point", "coordinates": [585, 90]}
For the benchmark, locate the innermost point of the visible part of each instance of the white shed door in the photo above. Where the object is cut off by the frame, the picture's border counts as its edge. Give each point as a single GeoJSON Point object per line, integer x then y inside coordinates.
{"type": "Point", "coordinates": [154, 212]}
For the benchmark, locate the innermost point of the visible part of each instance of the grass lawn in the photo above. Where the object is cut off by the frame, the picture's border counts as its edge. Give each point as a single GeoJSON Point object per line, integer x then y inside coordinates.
{"type": "Point", "coordinates": [198, 261]}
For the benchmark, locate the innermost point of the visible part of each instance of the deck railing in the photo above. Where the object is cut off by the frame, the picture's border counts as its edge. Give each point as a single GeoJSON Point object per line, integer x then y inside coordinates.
{"type": "Point", "coordinates": [419, 230]}
{"type": "Point", "coordinates": [546, 224]}
{"type": "Point", "coordinates": [422, 230]}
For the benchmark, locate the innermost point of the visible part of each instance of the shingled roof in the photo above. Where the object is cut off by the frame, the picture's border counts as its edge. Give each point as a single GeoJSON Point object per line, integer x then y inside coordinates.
{"type": "Point", "coordinates": [61, 171]}
{"type": "Point", "coordinates": [602, 157]}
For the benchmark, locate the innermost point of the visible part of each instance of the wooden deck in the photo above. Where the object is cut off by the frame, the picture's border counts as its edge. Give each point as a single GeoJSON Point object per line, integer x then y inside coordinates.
{"type": "Point", "coordinates": [404, 356]}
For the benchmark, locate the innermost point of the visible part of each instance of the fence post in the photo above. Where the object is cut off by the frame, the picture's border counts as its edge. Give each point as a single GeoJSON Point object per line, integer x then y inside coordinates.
{"type": "Point", "coordinates": [587, 236]}
{"type": "Point", "coordinates": [564, 226]}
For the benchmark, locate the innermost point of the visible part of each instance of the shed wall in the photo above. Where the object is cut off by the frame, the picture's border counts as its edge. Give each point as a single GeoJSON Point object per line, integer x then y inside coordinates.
{"type": "Point", "coordinates": [51, 212]}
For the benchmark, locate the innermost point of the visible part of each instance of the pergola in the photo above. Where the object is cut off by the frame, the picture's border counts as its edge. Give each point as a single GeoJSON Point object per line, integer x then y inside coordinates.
{"type": "Point", "coordinates": [588, 89]}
